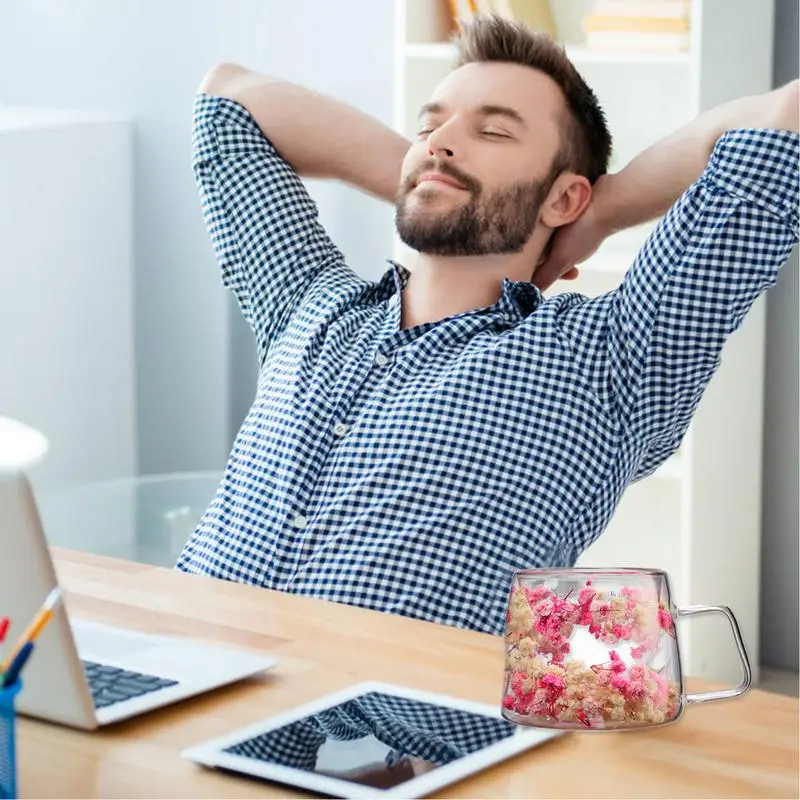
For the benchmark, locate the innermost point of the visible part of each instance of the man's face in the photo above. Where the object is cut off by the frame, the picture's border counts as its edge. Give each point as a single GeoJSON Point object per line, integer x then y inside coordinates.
{"type": "Point", "coordinates": [474, 178]}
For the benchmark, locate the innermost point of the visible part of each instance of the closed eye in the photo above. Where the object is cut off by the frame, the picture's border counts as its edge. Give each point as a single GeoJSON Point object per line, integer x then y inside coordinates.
{"type": "Point", "coordinates": [496, 134]}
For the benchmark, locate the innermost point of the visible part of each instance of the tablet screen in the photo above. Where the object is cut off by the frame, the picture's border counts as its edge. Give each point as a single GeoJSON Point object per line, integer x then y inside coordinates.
{"type": "Point", "coordinates": [375, 739]}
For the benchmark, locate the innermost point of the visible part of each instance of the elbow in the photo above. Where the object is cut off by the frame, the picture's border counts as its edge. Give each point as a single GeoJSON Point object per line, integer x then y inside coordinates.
{"type": "Point", "coordinates": [223, 80]}
{"type": "Point", "coordinates": [788, 107]}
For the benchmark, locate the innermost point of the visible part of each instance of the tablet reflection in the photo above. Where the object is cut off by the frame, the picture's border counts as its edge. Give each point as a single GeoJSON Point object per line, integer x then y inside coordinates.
{"type": "Point", "coordinates": [376, 740]}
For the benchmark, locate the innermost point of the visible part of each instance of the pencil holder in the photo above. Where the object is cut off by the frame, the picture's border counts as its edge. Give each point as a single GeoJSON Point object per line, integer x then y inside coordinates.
{"type": "Point", "coordinates": [8, 766]}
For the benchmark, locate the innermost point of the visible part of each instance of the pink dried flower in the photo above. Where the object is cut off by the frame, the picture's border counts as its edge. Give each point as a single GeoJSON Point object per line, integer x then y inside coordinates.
{"type": "Point", "coordinates": [622, 632]}
{"type": "Point", "coordinates": [617, 664]}
{"type": "Point", "coordinates": [536, 594]}
{"type": "Point", "coordinates": [552, 682]}
{"type": "Point", "coordinates": [620, 683]}
{"type": "Point", "coordinates": [637, 672]}
{"type": "Point", "coordinates": [544, 607]}
{"type": "Point", "coordinates": [585, 596]}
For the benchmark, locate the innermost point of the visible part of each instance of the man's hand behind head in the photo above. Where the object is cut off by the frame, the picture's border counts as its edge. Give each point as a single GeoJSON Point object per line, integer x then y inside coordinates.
{"type": "Point", "coordinates": [576, 242]}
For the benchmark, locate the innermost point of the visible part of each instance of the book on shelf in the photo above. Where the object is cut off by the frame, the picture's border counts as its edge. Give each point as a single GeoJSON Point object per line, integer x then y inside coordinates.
{"type": "Point", "coordinates": [462, 10]}
{"type": "Point", "coordinates": [611, 41]}
{"type": "Point", "coordinates": [652, 9]}
{"type": "Point", "coordinates": [638, 25]}
{"type": "Point", "coordinates": [533, 13]}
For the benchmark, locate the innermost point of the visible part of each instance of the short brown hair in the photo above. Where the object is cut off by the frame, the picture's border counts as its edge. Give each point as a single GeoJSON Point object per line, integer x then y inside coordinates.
{"type": "Point", "coordinates": [586, 146]}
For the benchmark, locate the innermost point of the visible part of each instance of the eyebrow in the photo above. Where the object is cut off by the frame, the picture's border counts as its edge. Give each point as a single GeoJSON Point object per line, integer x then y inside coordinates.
{"type": "Point", "coordinates": [484, 110]}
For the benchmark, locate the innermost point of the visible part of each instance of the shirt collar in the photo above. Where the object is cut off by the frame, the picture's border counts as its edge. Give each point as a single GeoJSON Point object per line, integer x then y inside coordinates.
{"type": "Point", "coordinates": [517, 300]}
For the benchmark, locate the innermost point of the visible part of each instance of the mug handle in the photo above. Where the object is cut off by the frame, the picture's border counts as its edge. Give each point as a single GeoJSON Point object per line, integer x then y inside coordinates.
{"type": "Point", "coordinates": [721, 694]}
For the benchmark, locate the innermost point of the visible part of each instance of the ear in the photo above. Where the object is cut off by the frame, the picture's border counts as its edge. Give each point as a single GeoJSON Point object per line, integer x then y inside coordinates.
{"type": "Point", "coordinates": [566, 201]}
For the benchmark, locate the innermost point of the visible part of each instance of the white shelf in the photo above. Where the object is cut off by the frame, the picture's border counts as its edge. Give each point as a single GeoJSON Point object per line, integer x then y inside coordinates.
{"type": "Point", "coordinates": [673, 469]}
{"type": "Point", "coordinates": [18, 118]}
{"type": "Point", "coordinates": [432, 51]}
{"type": "Point", "coordinates": [443, 51]}
{"type": "Point", "coordinates": [617, 254]}
{"type": "Point", "coordinates": [580, 56]}
{"type": "Point", "coordinates": [610, 261]}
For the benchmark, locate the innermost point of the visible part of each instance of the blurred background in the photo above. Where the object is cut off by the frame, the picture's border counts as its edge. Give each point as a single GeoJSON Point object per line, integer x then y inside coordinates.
{"type": "Point", "coordinates": [117, 339]}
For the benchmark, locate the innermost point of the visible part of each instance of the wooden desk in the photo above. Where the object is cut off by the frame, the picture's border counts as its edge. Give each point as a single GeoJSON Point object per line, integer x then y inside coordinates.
{"type": "Point", "coordinates": [740, 748]}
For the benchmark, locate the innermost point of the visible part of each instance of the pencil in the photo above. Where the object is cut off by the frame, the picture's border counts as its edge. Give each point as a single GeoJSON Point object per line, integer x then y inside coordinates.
{"type": "Point", "coordinates": [17, 664]}
{"type": "Point", "coordinates": [36, 626]}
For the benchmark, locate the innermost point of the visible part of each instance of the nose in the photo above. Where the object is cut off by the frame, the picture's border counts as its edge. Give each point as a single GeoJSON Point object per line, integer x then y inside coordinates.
{"type": "Point", "coordinates": [440, 143]}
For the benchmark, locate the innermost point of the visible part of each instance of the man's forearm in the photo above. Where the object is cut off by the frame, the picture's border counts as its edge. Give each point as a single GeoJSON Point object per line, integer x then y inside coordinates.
{"type": "Point", "coordinates": [656, 178]}
{"type": "Point", "coordinates": [319, 136]}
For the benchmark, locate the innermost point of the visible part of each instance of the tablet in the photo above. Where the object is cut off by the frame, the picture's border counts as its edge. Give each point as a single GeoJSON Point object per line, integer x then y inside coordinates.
{"type": "Point", "coordinates": [372, 740]}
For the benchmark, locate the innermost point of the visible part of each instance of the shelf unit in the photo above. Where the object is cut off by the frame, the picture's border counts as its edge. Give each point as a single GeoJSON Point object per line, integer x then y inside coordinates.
{"type": "Point", "coordinates": [698, 517]}
{"type": "Point", "coordinates": [442, 51]}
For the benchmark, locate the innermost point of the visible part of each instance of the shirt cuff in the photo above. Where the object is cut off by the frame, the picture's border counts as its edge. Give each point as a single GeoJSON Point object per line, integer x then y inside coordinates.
{"type": "Point", "coordinates": [762, 166]}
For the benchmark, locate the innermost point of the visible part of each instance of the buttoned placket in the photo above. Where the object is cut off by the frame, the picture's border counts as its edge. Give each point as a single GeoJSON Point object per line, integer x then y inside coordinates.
{"type": "Point", "coordinates": [378, 360]}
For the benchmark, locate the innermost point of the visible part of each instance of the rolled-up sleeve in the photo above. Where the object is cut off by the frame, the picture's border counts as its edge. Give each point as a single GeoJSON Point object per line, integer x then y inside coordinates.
{"type": "Point", "coordinates": [650, 347]}
{"type": "Point", "coordinates": [261, 220]}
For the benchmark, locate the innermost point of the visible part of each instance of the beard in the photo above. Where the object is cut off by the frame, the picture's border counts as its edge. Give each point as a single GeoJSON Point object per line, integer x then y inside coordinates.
{"type": "Point", "coordinates": [489, 223]}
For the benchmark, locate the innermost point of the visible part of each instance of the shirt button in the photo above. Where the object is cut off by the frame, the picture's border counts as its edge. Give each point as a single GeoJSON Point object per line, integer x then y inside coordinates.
{"type": "Point", "coordinates": [340, 429]}
{"type": "Point", "coordinates": [299, 521]}
{"type": "Point", "coordinates": [381, 360]}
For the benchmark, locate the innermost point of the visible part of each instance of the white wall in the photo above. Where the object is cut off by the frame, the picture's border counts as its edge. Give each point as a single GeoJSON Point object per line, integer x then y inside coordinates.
{"type": "Point", "coordinates": [145, 59]}
{"type": "Point", "coordinates": [66, 296]}
{"type": "Point", "coordinates": [780, 520]}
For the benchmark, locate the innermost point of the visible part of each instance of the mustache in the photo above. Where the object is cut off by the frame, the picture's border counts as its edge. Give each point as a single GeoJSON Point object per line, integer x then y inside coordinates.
{"type": "Point", "coordinates": [432, 165]}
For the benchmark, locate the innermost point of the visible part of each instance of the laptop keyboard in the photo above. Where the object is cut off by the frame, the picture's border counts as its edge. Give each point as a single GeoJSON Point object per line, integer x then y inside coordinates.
{"type": "Point", "coordinates": [111, 685]}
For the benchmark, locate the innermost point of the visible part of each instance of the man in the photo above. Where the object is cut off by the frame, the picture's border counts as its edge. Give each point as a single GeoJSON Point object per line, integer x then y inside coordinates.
{"type": "Point", "coordinates": [415, 440]}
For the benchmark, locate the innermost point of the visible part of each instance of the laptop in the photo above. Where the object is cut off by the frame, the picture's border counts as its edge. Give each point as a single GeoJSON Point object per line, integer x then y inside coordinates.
{"type": "Point", "coordinates": [83, 674]}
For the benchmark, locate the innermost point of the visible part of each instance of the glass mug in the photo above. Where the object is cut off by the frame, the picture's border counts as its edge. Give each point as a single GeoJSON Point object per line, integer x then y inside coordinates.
{"type": "Point", "coordinates": [596, 649]}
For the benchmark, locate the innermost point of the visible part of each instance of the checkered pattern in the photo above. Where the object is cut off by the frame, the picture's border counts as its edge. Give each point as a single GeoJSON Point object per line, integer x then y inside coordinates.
{"type": "Point", "coordinates": [407, 727]}
{"type": "Point", "coordinates": [412, 471]}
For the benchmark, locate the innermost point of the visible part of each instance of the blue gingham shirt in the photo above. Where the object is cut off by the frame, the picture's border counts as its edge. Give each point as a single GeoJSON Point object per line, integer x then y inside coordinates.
{"type": "Point", "coordinates": [412, 471]}
{"type": "Point", "coordinates": [406, 727]}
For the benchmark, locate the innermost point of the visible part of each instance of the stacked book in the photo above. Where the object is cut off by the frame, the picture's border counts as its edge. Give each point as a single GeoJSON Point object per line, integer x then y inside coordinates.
{"type": "Point", "coordinates": [656, 26]}
{"type": "Point", "coordinates": [534, 13]}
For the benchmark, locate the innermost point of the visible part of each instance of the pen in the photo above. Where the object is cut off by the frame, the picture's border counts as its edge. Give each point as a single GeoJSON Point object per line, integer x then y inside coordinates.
{"type": "Point", "coordinates": [5, 622]}
{"type": "Point", "coordinates": [11, 675]}
{"type": "Point", "coordinates": [35, 628]}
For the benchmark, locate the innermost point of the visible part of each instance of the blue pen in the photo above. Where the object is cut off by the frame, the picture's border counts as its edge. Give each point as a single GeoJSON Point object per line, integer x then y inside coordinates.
{"type": "Point", "coordinates": [12, 673]}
